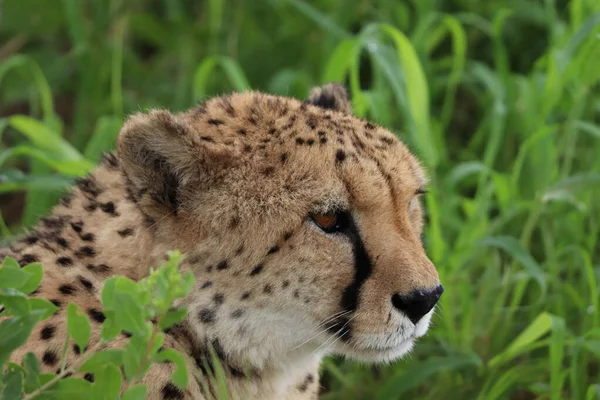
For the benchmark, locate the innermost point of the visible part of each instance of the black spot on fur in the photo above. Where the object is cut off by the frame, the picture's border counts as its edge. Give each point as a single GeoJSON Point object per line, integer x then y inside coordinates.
{"type": "Point", "coordinates": [285, 284]}
{"type": "Point", "coordinates": [284, 157]}
{"type": "Point", "coordinates": [215, 122]}
{"type": "Point", "coordinates": [240, 250]}
{"type": "Point", "coordinates": [50, 358]}
{"type": "Point", "coordinates": [306, 383]}
{"type": "Point", "coordinates": [245, 296]}
{"type": "Point", "coordinates": [268, 171]}
{"type": "Point", "coordinates": [109, 208]}
{"type": "Point", "coordinates": [76, 349]}
{"type": "Point", "coordinates": [77, 226]}
{"type": "Point", "coordinates": [88, 186]}
{"type": "Point", "coordinates": [90, 207]}
{"type": "Point", "coordinates": [171, 392]}
{"type": "Point", "coordinates": [234, 222]}
{"type": "Point", "coordinates": [102, 268]}
{"type": "Point", "coordinates": [85, 251]}
{"type": "Point", "coordinates": [64, 261]}
{"type": "Point", "coordinates": [96, 315]}
{"type": "Point", "coordinates": [237, 313]}
{"type": "Point", "coordinates": [242, 131]}
{"type": "Point", "coordinates": [207, 139]}
{"type": "Point", "coordinates": [206, 285]}
{"type": "Point", "coordinates": [67, 289]}
{"type": "Point", "coordinates": [31, 239]}
{"type": "Point", "coordinates": [207, 316]}
{"type": "Point", "coordinates": [340, 155]}
{"type": "Point", "coordinates": [53, 222]}
{"type": "Point", "coordinates": [369, 126]}
{"type": "Point", "coordinates": [273, 250]}
{"type": "Point", "coordinates": [87, 237]}
{"type": "Point", "coordinates": [226, 104]}
{"type": "Point", "coordinates": [287, 236]}
{"type": "Point", "coordinates": [56, 303]}
{"type": "Point", "coordinates": [110, 160]}
{"type": "Point", "coordinates": [89, 377]}
{"type": "Point", "coordinates": [296, 294]}
{"type": "Point", "coordinates": [299, 141]}
{"type": "Point", "coordinates": [28, 259]}
{"type": "Point", "coordinates": [257, 270]}
{"type": "Point", "coordinates": [125, 232]}
{"type": "Point", "coordinates": [223, 265]}
{"type": "Point", "coordinates": [47, 332]}
{"type": "Point", "coordinates": [310, 142]}
{"type": "Point", "coordinates": [86, 283]}
{"type": "Point", "coordinates": [62, 242]}
{"type": "Point", "coordinates": [66, 200]}
{"type": "Point", "coordinates": [268, 289]}
{"type": "Point", "coordinates": [219, 298]}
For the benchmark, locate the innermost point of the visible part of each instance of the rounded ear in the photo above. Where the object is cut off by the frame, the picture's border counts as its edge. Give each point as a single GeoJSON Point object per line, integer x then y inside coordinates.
{"type": "Point", "coordinates": [161, 154]}
{"type": "Point", "coordinates": [331, 96]}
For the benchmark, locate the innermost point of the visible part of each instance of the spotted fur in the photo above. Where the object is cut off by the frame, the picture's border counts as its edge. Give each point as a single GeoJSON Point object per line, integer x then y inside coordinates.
{"type": "Point", "coordinates": [232, 184]}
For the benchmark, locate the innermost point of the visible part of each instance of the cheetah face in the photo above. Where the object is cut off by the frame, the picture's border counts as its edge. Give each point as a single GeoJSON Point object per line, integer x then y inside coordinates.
{"type": "Point", "coordinates": [301, 222]}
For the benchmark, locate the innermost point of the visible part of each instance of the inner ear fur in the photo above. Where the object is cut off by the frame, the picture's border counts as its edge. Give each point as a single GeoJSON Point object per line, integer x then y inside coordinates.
{"type": "Point", "coordinates": [163, 159]}
{"type": "Point", "coordinates": [333, 96]}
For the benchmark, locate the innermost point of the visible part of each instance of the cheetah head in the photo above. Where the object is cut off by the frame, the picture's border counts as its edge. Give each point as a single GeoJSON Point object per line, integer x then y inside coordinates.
{"type": "Point", "coordinates": [301, 222]}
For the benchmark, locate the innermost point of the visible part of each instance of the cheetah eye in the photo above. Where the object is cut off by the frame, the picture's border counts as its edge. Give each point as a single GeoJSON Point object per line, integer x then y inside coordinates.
{"type": "Point", "coordinates": [330, 222]}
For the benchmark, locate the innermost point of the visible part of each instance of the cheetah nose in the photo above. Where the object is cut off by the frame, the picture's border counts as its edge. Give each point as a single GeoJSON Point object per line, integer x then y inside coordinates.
{"type": "Point", "coordinates": [418, 302]}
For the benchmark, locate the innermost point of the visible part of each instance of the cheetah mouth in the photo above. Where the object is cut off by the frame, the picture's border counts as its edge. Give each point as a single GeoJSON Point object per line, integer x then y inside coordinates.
{"type": "Point", "coordinates": [379, 353]}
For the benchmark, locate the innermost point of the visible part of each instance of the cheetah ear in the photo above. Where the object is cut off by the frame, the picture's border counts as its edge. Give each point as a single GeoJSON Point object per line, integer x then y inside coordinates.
{"type": "Point", "coordinates": [331, 96]}
{"type": "Point", "coordinates": [164, 159]}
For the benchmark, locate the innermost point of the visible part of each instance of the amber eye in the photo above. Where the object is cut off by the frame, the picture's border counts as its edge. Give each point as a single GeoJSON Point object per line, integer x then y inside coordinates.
{"type": "Point", "coordinates": [331, 222]}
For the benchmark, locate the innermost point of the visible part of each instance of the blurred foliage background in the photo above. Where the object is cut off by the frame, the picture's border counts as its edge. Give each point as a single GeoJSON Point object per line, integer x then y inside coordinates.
{"type": "Point", "coordinates": [499, 98]}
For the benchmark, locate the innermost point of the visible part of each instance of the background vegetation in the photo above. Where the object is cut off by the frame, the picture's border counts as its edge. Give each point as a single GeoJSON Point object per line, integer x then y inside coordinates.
{"type": "Point", "coordinates": [498, 97]}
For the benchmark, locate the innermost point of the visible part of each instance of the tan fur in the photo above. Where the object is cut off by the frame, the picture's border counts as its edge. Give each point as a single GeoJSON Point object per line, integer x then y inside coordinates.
{"type": "Point", "coordinates": [231, 183]}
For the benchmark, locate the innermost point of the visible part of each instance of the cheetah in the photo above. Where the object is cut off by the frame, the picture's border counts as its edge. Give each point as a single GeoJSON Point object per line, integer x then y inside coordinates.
{"type": "Point", "coordinates": [300, 222]}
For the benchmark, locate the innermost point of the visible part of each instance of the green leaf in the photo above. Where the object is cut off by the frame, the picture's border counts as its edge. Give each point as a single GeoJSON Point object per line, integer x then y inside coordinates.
{"type": "Point", "coordinates": [13, 383]}
{"type": "Point", "coordinates": [31, 367]}
{"type": "Point", "coordinates": [10, 262]}
{"type": "Point", "coordinates": [36, 274]}
{"type": "Point", "coordinates": [134, 355]}
{"type": "Point", "coordinates": [11, 275]}
{"type": "Point", "coordinates": [512, 246]}
{"type": "Point", "coordinates": [108, 293]}
{"type": "Point", "coordinates": [421, 372]}
{"type": "Point", "coordinates": [78, 325]}
{"type": "Point", "coordinates": [107, 383]}
{"type": "Point", "coordinates": [172, 317]}
{"type": "Point", "coordinates": [137, 392]}
{"type": "Point", "coordinates": [44, 138]}
{"type": "Point", "coordinates": [101, 359]}
{"type": "Point", "coordinates": [110, 329]}
{"type": "Point", "coordinates": [14, 302]}
{"type": "Point", "coordinates": [130, 315]}
{"type": "Point", "coordinates": [104, 137]}
{"type": "Point", "coordinates": [70, 388]}
{"type": "Point", "coordinates": [180, 376]}
{"type": "Point", "coordinates": [538, 328]}
{"type": "Point", "coordinates": [44, 306]}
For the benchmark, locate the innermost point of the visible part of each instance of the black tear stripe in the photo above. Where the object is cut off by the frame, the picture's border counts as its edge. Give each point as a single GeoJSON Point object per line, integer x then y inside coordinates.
{"type": "Point", "coordinates": [363, 267]}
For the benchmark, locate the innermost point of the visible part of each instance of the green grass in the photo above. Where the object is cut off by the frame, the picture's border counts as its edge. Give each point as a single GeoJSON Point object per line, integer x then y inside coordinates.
{"type": "Point", "coordinates": [499, 98]}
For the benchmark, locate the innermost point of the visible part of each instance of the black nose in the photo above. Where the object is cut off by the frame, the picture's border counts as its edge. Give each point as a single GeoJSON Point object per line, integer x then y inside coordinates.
{"type": "Point", "coordinates": [418, 303]}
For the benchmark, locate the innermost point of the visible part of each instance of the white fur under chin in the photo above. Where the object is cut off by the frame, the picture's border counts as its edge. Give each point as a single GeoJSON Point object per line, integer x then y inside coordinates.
{"type": "Point", "coordinates": [386, 347]}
